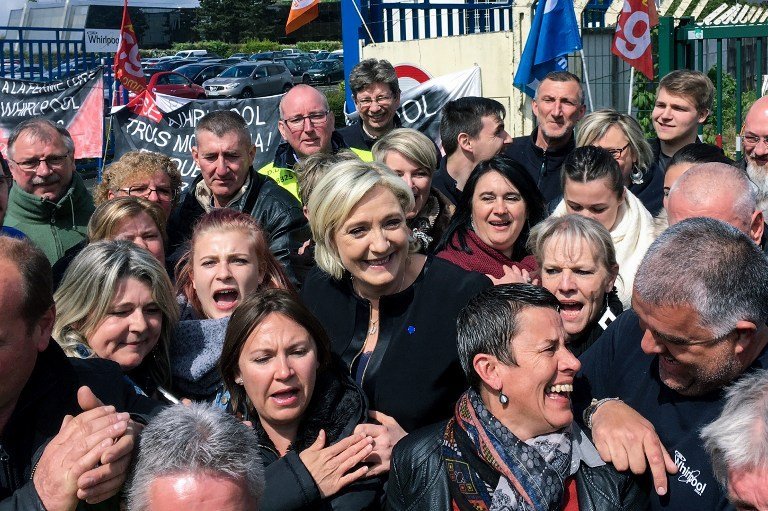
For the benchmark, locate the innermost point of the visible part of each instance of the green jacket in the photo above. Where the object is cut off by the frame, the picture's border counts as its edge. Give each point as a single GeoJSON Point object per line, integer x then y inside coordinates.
{"type": "Point", "coordinates": [52, 226]}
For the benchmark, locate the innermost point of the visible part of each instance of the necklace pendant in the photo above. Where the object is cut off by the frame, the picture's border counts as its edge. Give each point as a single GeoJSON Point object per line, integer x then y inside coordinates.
{"type": "Point", "coordinates": [373, 329]}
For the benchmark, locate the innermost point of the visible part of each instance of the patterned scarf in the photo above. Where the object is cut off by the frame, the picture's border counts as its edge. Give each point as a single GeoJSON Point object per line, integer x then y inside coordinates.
{"type": "Point", "coordinates": [491, 469]}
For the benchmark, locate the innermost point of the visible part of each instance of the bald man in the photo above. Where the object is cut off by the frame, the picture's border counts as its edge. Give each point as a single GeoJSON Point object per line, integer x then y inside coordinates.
{"type": "Point", "coordinates": [307, 125]}
{"type": "Point", "coordinates": [755, 143]}
{"type": "Point", "coordinates": [720, 191]}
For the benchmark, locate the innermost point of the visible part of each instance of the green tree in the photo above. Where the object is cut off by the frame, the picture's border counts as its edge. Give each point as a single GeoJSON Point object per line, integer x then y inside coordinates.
{"type": "Point", "coordinates": [233, 21]}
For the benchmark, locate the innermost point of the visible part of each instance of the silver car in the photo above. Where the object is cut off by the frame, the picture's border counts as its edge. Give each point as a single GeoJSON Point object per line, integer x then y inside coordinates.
{"type": "Point", "coordinates": [249, 80]}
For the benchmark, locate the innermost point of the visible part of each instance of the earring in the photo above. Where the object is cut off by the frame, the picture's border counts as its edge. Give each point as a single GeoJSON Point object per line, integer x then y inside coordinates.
{"type": "Point", "coordinates": [239, 381]}
{"type": "Point", "coordinates": [503, 399]}
{"type": "Point", "coordinates": [636, 175]}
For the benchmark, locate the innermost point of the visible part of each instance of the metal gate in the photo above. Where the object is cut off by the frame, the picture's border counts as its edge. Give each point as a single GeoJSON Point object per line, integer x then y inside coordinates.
{"type": "Point", "coordinates": [737, 50]}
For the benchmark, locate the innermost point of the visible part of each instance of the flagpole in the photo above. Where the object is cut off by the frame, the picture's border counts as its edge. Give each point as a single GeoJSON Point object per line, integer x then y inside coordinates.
{"type": "Point", "coordinates": [360, 15]}
{"type": "Point", "coordinates": [586, 79]}
{"type": "Point", "coordinates": [631, 82]}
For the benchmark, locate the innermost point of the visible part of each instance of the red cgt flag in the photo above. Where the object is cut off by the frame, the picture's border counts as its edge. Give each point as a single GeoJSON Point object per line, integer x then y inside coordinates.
{"type": "Point", "coordinates": [632, 41]}
{"type": "Point", "coordinates": [127, 61]}
{"type": "Point", "coordinates": [302, 12]}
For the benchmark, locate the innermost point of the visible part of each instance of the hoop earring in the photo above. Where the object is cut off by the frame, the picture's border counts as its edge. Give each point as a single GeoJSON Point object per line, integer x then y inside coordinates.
{"type": "Point", "coordinates": [503, 399]}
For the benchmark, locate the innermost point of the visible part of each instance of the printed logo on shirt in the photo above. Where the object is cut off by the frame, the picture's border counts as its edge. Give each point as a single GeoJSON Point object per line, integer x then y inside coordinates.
{"type": "Point", "coordinates": [688, 475]}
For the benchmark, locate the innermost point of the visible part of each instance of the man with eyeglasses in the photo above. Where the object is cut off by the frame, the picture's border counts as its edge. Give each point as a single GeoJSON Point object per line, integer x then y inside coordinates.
{"type": "Point", "coordinates": [754, 140]}
{"type": "Point", "coordinates": [683, 102]}
{"type": "Point", "coordinates": [308, 127]}
{"type": "Point", "coordinates": [49, 201]}
{"type": "Point", "coordinates": [376, 93]}
{"type": "Point", "coordinates": [657, 374]}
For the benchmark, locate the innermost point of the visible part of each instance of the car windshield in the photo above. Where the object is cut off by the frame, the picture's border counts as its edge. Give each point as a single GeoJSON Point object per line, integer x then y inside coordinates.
{"type": "Point", "coordinates": [237, 72]}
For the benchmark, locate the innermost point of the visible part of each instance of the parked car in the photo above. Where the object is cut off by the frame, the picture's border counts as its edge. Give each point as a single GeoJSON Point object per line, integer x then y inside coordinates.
{"type": "Point", "coordinates": [265, 55]}
{"type": "Point", "coordinates": [228, 62]}
{"type": "Point", "coordinates": [175, 84]}
{"type": "Point", "coordinates": [250, 79]}
{"type": "Point", "coordinates": [241, 56]}
{"type": "Point", "coordinates": [185, 54]}
{"type": "Point", "coordinates": [201, 71]}
{"type": "Point", "coordinates": [327, 72]}
{"type": "Point", "coordinates": [165, 65]}
{"type": "Point", "coordinates": [299, 74]}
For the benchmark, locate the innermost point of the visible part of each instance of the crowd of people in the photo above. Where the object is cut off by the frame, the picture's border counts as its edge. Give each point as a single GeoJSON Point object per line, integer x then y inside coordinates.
{"type": "Point", "coordinates": [573, 319]}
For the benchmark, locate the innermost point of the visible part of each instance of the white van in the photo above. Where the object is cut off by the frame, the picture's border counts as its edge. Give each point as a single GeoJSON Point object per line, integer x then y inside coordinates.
{"type": "Point", "coordinates": [185, 54]}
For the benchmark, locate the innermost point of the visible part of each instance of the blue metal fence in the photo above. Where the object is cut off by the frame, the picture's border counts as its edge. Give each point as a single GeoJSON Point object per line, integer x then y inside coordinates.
{"type": "Point", "coordinates": [46, 54]}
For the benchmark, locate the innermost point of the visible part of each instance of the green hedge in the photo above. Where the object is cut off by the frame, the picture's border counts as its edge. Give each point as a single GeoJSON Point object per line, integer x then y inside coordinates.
{"type": "Point", "coordinates": [336, 104]}
{"type": "Point", "coordinates": [250, 46]}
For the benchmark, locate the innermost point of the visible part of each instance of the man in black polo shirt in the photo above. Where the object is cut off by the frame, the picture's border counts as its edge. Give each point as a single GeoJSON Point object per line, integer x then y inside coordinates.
{"type": "Point", "coordinates": [558, 106]}
{"type": "Point", "coordinates": [700, 306]}
{"type": "Point", "coordinates": [472, 130]}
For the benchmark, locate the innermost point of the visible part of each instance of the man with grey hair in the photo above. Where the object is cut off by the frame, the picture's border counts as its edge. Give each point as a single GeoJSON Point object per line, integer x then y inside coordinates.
{"type": "Point", "coordinates": [50, 203]}
{"type": "Point", "coordinates": [737, 442]}
{"type": "Point", "coordinates": [307, 125]}
{"type": "Point", "coordinates": [755, 140]}
{"type": "Point", "coordinates": [700, 306]}
{"type": "Point", "coordinates": [196, 458]}
{"type": "Point", "coordinates": [224, 152]}
{"type": "Point", "coordinates": [717, 190]}
{"type": "Point", "coordinates": [558, 106]}
{"type": "Point", "coordinates": [376, 92]}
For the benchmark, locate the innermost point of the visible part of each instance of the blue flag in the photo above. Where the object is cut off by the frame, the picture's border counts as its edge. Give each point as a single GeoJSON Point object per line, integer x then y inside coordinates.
{"type": "Point", "coordinates": [554, 34]}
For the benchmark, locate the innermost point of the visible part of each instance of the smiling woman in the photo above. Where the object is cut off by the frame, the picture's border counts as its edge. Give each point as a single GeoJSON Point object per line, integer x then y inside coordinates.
{"type": "Point", "coordinates": [228, 259]}
{"type": "Point", "coordinates": [116, 302]}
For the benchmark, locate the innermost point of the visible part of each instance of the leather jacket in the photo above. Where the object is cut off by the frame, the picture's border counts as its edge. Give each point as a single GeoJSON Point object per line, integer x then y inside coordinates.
{"type": "Point", "coordinates": [278, 213]}
{"type": "Point", "coordinates": [419, 481]}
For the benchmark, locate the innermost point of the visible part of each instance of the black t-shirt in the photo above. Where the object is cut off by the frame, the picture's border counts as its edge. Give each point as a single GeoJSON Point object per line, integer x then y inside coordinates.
{"type": "Point", "coordinates": [444, 183]}
{"type": "Point", "coordinates": [615, 366]}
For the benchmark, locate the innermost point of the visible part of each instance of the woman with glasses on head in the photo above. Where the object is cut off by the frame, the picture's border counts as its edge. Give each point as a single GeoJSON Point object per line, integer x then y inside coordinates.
{"type": "Point", "coordinates": [593, 186]}
{"type": "Point", "coordinates": [149, 175]}
{"type": "Point", "coordinates": [622, 136]}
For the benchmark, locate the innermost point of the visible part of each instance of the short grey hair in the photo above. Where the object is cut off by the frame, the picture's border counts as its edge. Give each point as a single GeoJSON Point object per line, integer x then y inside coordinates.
{"type": "Point", "coordinates": [710, 266]}
{"type": "Point", "coordinates": [411, 143]}
{"type": "Point", "coordinates": [571, 229]}
{"type": "Point", "coordinates": [704, 181]}
{"type": "Point", "coordinates": [197, 439]}
{"type": "Point", "coordinates": [297, 89]}
{"type": "Point", "coordinates": [738, 438]}
{"type": "Point", "coordinates": [489, 322]}
{"type": "Point", "coordinates": [40, 128]}
{"type": "Point", "coordinates": [370, 71]}
{"type": "Point", "coordinates": [221, 122]}
{"type": "Point", "coordinates": [334, 197]}
{"type": "Point", "coordinates": [594, 125]}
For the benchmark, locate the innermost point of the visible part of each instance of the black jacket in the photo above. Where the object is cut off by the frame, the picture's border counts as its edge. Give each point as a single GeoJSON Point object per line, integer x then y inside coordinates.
{"type": "Point", "coordinates": [276, 210]}
{"type": "Point", "coordinates": [49, 395]}
{"type": "Point", "coordinates": [414, 373]}
{"type": "Point", "coordinates": [418, 479]}
{"type": "Point", "coordinates": [337, 406]}
{"type": "Point", "coordinates": [543, 166]}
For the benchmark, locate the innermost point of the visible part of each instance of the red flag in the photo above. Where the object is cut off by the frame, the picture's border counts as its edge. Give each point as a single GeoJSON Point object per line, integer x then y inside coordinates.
{"type": "Point", "coordinates": [144, 104]}
{"type": "Point", "coordinates": [302, 12]}
{"type": "Point", "coordinates": [127, 60]}
{"type": "Point", "coordinates": [632, 41]}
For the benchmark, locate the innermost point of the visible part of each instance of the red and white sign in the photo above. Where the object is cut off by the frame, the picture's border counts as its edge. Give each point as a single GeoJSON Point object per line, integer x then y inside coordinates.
{"type": "Point", "coordinates": [632, 41]}
{"type": "Point", "coordinates": [409, 76]}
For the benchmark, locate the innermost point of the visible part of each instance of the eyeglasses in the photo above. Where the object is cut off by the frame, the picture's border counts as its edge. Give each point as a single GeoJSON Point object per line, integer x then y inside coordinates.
{"type": "Point", "coordinates": [164, 194]}
{"type": "Point", "coordinates": [616, 153]}
{"type": "Point", "coordinates": [55, 161]}
{"type": "Point", "coordinates": [384, 99]}
{"type": "Point", "coordinates": [316, 119]}
{"type": "Point", "coordinates": [753, 139]}
{"type": "Point", "coordinates": [684, 342]}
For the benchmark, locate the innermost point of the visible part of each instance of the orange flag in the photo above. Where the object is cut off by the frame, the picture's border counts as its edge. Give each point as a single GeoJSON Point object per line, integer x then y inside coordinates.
{"type": "Point", "coordinates": [302, 12]}
{"type": "Point", "coordinates": [127, 61]}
